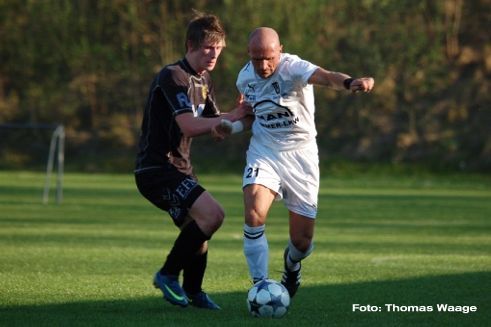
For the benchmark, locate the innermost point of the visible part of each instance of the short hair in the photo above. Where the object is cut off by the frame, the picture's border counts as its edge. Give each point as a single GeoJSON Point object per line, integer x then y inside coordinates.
{"type": "Point", "coordinates": [204, 28]}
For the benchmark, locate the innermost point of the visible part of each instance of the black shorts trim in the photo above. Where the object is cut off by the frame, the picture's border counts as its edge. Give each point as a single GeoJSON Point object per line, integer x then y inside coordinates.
{"type": "Point", "coordinates": [169, 190]}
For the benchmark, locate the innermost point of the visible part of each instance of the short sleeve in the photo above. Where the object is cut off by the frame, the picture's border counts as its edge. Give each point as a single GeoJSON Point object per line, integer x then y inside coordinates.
{"type": "Point", "coordinates": [175, 91]}
{"type": "Point", "coordinates": [301, 69]}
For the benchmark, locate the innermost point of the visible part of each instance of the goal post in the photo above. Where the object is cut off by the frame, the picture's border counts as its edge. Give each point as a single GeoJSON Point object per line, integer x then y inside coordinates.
{"type": "Point", "coordinates": [56, 155]}
{"type": "Point", "coordinates": [56, 148]}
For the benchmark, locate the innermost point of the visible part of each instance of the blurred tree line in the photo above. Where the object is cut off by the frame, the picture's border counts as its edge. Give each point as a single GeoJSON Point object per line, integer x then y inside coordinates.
{"type": "Point", "coordinates": [88, 64]}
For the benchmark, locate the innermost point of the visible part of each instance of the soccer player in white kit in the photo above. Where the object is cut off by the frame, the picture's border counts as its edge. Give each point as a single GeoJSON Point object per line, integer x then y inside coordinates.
{"type": "Point", "coordinates": [282, 159]}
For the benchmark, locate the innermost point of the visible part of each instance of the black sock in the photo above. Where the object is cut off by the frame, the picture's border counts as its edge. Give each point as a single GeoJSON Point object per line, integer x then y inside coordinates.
{"type": "Point", "coordinates": [194, 273]}
{"type": "Point", "coordinates": [186, 245]}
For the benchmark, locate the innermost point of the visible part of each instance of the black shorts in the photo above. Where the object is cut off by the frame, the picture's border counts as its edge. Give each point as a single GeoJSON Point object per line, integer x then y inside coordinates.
{"type": "Point", "coordinates": [169, 190]}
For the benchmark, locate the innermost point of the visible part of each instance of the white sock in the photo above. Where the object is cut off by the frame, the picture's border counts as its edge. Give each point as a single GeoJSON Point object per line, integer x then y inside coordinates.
{"type": "Point", "coordinates": [295, 256]}
{"type": "Point", "coordinates": [256, 251]}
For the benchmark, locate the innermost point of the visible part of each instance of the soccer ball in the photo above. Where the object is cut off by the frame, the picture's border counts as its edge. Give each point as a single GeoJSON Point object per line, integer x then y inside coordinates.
{"type": "Point", "coordinates": [268, 298]}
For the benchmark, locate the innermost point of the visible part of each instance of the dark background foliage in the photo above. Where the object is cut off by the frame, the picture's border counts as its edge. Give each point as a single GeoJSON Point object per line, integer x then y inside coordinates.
{"type": "Point", "coordinates": [88, 64]}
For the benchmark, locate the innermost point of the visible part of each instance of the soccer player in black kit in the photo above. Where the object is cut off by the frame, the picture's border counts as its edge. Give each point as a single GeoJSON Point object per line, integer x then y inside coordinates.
{"type": "Point", "coordinates": [181, 105]}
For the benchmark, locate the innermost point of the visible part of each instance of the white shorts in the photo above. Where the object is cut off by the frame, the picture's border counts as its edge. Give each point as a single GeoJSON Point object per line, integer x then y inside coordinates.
{"type": "Point", "coordinates": [293, 175]}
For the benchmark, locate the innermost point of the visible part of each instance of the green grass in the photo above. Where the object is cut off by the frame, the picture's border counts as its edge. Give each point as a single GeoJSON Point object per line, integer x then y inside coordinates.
{"type": "Point", "coordinates": [379, 240]}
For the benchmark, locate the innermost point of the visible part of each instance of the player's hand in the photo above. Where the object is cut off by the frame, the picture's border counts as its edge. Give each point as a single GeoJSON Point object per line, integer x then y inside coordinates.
{"type": "Point", "coordinates": [245, 109]}
{"type": "Point", "coordinates": [242, 110]}
{"type": "Point", "coordinates": [240, 99]}
{"type": "Point", "coordinates": [221, 130]}
{"type": "Point", "coordinates": [362, 84]}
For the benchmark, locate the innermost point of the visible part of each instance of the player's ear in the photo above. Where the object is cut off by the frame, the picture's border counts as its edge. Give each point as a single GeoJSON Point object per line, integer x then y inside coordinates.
{"type": "Point", "coordinates": [281, 48]}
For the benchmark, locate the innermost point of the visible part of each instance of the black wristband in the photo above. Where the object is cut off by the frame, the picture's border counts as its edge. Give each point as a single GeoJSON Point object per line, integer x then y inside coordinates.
{"type": "Point", "coordinates": [347, 83]}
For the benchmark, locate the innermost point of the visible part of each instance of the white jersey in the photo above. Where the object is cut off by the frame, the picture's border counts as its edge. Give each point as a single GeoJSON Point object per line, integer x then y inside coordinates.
{"type": "Point", "coordinates": [283, 104]}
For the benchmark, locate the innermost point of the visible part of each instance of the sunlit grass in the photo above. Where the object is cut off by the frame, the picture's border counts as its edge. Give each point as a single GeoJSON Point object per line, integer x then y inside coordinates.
{"type": "Point", "coordinates": [89, 261]}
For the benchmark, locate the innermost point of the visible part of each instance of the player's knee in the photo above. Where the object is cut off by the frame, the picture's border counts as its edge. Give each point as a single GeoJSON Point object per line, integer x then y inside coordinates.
{"type": "Point", "coordinates": [216, 218]}
{"type": "Point", "coordinates": [254, 218]}
{"type": "Point", "coordinates": [207, 213]}
{"type": "Point", "coordinates": [220, 216]}
{"type": "Point", "coordinates": [210, 220]}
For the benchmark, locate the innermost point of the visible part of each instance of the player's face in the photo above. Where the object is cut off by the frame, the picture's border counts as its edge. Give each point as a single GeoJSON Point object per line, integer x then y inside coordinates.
{"type": "Point", "coordinates": [205, 57]}
{"type": "Point", "coordinates": [265, 59]}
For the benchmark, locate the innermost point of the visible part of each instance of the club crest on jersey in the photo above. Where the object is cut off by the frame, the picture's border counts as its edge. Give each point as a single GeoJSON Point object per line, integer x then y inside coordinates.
{"type": "Point", "coordinates": [204, 91]}
{"type": "Point", "coordinates": [200, 84]}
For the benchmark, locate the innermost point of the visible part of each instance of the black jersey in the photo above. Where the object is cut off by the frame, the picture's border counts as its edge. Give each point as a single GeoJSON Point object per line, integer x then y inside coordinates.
{"type": "Point", "coordinates": [175, 90]}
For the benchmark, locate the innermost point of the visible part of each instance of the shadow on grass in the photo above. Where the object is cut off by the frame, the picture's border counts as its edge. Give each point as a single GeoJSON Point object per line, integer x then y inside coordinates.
{"type": "Point", "coordinates": [323, 305]}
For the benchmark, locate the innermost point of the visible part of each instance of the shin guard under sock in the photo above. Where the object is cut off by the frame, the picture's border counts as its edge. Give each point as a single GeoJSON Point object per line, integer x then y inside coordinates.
{"type": "Point", "coordinates": [186, 245]}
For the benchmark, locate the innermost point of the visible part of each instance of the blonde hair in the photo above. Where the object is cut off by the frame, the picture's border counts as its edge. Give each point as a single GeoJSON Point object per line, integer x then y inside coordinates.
{"type": "Point", "coordinates": [204, 28]}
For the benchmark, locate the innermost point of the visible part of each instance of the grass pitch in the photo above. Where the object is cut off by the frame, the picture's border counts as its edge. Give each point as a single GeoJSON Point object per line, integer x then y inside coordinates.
{"type": "Point", "coordinates": [396, 242]}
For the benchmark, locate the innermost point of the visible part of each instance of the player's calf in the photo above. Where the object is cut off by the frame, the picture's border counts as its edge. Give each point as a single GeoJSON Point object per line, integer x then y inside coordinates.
{"type": "Point", "coordinates": [291, 279]}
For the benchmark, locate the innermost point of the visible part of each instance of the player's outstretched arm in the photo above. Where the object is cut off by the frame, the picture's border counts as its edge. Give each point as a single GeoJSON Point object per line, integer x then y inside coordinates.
{"type": "Point", "coordinates": [226, 128]}
{"type": "Point", "coordinates": [361, 84]}
{"type": "Point", "coordinates": [194, 126]}
{"type": "Point", "coordinates": [243, 109]}
{"type": "Point", "coordinates": [340, 81]}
